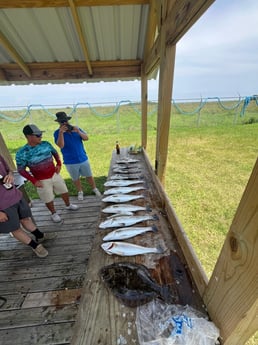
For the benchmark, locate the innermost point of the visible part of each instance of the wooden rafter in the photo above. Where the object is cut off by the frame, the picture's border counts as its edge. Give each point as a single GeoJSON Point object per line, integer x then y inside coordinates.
{"type": "Point", "coordinates": [80, 34]}
{"type": "Point", "coordinates": [10, 49]}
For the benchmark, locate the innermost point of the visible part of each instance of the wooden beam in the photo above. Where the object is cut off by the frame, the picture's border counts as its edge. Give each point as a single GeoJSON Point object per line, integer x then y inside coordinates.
{"type": "Point", "coordinates": [151, 28]}
{"type": "Point", "coordinates": [144, 105]}
{"type": "Point", "coordinates": [167, 61]}
{"type": "Point", "coordinates": [65, 3]}
{"type": "Point", "coordinates": [11, 51]}
{"type": "Point", "coordinates": [232, 293]}
{"type": "Point", "coordinates": [180, 18]}
{"type": "Point", "coordinates": [80, 34]}
{"type": "Point", "coordinates": [75, 71]}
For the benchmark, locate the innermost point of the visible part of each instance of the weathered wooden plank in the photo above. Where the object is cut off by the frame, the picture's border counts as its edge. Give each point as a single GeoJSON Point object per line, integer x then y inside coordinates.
{"type": "Point", "coordinates": [53, 334]}
{"type": "Point", "coordinates": [36, 316]}
{"type": "Point", "coordinates": [42, 284]}
{"type": "Point", "coordinates": [60, 270]}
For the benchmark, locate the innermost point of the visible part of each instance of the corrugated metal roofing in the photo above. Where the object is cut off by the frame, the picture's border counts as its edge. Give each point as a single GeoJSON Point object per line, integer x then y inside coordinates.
{"type": "Point", "coordinates": [49, 34]}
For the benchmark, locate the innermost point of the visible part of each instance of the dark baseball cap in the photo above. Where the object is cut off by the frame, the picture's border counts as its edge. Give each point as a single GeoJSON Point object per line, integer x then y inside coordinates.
{"type": "Point", "coordinates": [32, 129]}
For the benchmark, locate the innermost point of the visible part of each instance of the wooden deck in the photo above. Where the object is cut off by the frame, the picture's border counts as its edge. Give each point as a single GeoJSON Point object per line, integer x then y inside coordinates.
{"type": "Point", "coordinates": [104, 320]}
{"type": "Point", "coordinates": [43, 295]}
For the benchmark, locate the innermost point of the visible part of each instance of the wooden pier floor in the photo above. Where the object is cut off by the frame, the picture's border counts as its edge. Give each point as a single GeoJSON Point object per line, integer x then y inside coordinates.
{"type": "Point", "coordinates": [41, 296]}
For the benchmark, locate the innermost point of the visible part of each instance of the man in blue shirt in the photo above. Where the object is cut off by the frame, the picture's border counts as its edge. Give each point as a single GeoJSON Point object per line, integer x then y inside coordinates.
{"type": "Point", "coordinates": [70, 140]}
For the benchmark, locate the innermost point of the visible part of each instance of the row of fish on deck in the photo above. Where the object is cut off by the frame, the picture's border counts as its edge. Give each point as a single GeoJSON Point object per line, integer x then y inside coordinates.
{"type": "Point", "coordinates": [127, 180]}
{"type": "Point", "coordinates": [131, 283]}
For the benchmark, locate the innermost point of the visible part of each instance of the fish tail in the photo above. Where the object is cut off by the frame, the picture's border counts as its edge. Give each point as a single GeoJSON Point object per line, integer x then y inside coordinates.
{"type": "Point", "coordinates": [154, 228]}
{"type": "Point", "coordinates": [160, 250]}
{"type": "Point", "coordinates": [148, 208]}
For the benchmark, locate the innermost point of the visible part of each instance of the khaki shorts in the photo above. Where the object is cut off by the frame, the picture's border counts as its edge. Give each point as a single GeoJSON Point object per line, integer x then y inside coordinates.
{"type": "Point", "coordinates": [52, 186]}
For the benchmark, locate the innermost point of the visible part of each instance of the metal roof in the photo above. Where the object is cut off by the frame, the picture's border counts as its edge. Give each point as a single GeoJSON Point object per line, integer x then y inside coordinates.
{"type": "Point", "coordinates": [82, 40]}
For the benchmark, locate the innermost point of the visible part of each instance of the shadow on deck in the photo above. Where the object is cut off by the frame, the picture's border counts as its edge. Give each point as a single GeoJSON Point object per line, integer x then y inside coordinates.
{"type": "Point", "coordinates": [41, 296]}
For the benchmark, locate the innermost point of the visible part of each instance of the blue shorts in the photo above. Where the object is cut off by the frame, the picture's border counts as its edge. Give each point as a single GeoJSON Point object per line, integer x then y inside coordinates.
{"type": "Point", "coordinates": [81, 169]}
{"type": "Point", "coordinates": [14, 213]}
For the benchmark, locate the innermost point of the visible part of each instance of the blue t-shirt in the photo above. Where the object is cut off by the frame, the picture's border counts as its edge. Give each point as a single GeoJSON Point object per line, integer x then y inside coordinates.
{"type": "Point", "coordinates": [73, 151]}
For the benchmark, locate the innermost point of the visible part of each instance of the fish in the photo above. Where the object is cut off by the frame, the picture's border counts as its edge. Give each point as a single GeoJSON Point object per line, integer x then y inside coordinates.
{"type": "Point", "coordinates": [124, 233]}
{"type": "Point", "coordinates": [120, 220]}
{"type": "Point", "coordinates": [122, 190]}
{"type": "Point", "coordinates": [121, 208]}
{"type": "Point", "coordinates": [125, 176]}
{"type": "Point", "coordinates": [129, 249]}
{"type": "Point", "coordinates": [126, 171]}
{"type": "Point", "coordinates": [132, 284]}
{"type": "Point", "coordinates": [125, 161]}
{"type": "Point", "coordinates": [122, 183]}
{"type": "Point", "coordinates": [122, 198]}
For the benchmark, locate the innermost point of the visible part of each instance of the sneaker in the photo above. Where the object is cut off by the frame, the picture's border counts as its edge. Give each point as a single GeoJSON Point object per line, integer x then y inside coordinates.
{"type": "Point", "coordinates": [56, 218]}
{"type": "Point", "coordinates": [80, 196]}
{"type": "Point", "coordinates": [72, 207]}
{"type": "Point", "coordinates": [47, 236]}
{"type": "Point", "coordinates": [40, 251]}
{"type": "Point", "coordinates": [97, 192]}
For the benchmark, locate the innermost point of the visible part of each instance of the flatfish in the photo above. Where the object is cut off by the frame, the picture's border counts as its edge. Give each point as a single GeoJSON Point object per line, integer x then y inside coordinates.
{"type": "Point", "coordinates": [122, 183]}
{"type": "Point", "coordinates": [123, 190]}
{"type": "Point", "coordinates": [129, 249]}
{"type": "Point", "coordinates": [132, 284]}
{"type": "Point", "coordinates": [117, 198]}
{"type": "Point", "coordinates": [122, 208]}
{"type": "Point", "coordinates": [124, 233]}
{"type": "Point", "coordinates": [121, 220]}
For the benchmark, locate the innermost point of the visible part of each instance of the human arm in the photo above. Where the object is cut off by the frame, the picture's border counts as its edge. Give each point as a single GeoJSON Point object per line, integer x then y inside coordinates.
{"type": "Point", "coordinates": [81, 133]}
{"type": "Point", "coordinates": [3, 217]}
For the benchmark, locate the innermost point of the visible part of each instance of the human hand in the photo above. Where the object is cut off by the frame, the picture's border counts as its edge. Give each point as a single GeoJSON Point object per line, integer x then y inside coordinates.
{"type": "Point", "coordinates": [38, 184]}
{"type": "Point", "coordinates": [63, 128]}
{"type": "Point", "coordinates": [9, 178]}
{"type": "Point", "coordinates": [3, 217]}
{"type": "Point", "coordinates": [58, 169]}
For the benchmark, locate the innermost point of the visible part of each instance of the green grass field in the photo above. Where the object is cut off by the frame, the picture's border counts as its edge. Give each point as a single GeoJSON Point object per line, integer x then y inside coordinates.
{"type": "Point", "coordinates": [210, 158]}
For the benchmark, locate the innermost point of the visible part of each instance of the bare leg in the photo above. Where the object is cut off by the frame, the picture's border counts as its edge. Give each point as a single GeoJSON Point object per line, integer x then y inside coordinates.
{"type": "Point", "coordinates": [78, 185]}
{"type": "Point", "coordinates": [28, 224]}
{"type": "Point", "coordinates": [65, 197]}
{"type": "Point", "coordinates": [50, 205]}
{"type": "Point", "coordinates": [21, 236]}
{"type": "Point", "coordinates": [91, 181]}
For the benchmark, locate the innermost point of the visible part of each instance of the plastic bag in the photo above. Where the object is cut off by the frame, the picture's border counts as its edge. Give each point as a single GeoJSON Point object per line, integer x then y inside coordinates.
{"type": "Point", "coordinates": [162, 324]}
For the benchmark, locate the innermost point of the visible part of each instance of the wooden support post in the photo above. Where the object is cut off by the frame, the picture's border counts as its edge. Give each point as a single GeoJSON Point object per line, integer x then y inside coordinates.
{"type": "Point", "coordinates": [232, 293]}
{"type": "Point", "coordinates": [144, 97]}
{"type": "Point", "coordinates": [164, 109]}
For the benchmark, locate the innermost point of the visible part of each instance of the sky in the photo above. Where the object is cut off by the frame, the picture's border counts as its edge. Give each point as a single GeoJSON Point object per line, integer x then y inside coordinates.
{"type": "Point", "coordinates": [217, 57]}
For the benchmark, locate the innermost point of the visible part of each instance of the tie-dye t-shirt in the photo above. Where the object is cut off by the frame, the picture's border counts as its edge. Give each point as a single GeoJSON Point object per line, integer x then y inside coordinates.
{"type": "Point", "coordinates": [39, 160]}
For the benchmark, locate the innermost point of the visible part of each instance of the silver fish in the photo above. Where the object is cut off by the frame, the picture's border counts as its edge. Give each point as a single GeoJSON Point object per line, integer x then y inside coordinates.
{"type": "Point", "coordinates": [123, 220]}
{"type": "Point", "coordinates": [122, 198]}
{"type": "Point", "coordinates": [125, 161]}
{"type": "Point", "coordinates": [122, 183]}
{"type": "Point", "coordinates": [125, 176]}
{"type": "Point", "coordinates": [121, 208]}
{"type": "Point", "coordinates": [124, 233]}
{"type": "Point", "coordinates": [122, 190]}
{"type": "Point", "coordinates": [129, 249]}
{"type": "Point", "coordinates": [126, 171]}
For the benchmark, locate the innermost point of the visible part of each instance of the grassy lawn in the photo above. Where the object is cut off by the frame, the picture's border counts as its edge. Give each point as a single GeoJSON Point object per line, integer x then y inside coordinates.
{"type": "Point", "coordinates": [211, 156]}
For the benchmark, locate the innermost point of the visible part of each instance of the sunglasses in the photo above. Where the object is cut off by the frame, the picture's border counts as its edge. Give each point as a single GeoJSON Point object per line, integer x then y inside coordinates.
{"type": "Point", "coordinates": [37, 135]}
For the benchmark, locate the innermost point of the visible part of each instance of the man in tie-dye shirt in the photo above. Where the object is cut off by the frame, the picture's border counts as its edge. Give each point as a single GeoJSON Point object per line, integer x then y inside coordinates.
{"type": "Point", "coordinates": [38, 157]}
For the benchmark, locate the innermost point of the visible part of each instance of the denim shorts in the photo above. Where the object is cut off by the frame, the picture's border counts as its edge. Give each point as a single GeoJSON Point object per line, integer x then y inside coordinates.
{"type": "Point", "coordinates": [78, 170]}
{"type": "Point", "coordinates": [20, 210]}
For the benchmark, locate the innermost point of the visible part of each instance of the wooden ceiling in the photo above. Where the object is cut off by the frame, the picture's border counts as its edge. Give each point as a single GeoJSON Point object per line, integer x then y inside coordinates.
{"type": "Point", "coordinates": [88, 40]}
